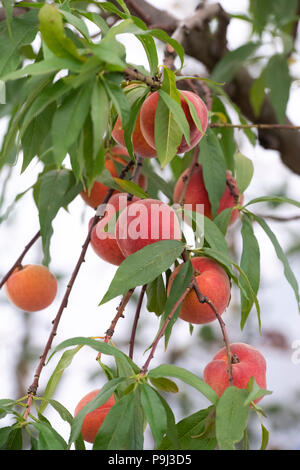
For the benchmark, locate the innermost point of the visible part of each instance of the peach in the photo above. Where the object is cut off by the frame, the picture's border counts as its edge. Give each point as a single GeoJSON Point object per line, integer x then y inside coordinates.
{"type": "Point", "coordinates": [31, 287]}
{"type": "Point", "coordinates": [196, 193]}
{"type": "Point", "coordinates": [98, 192]}
{"type": "Point", "coordinates": [93, 420]}
{"type": "Point", "coordinates": [147, 119]}
{"type": "Point", "coordinates": [248, 362]}
{"type": "Point", "coordinates": [144, 222]}
{"type": "Point", "coordinates": [213, 282]}
{"type": "Point", "coordinates": [140, 146]}
{"type": "Point", "coordinates": [103, 242]}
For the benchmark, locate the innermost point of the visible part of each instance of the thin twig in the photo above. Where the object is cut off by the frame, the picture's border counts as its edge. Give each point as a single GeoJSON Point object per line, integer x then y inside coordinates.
{"type": "Point", "coordinates": [136, 319]}
{"type": "Point", "coordinates": [135, 75]}
{"type": "Point", "coordinates": [34, 386]}
{"type": "Point", "coordinates": [18, 262]}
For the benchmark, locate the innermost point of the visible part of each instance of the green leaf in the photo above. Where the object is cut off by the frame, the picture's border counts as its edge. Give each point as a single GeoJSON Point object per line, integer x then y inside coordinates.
{"type": "Point", "coordinates": [123, 427]}
{"type": "Point", "coordinates": [48, 438]}
{"type": "Point", "coordinates": [23, 31]}
{"type": "Point", "coordinates": [250, 263]}
{"type": "Point", "coordinates": [131, 188]}
{"type": "Point", "coordinates": [110, 51]}
{"type": "Point", "coordinates": [63, 363]}
{"type": "Point", "coordinates": [44, 67]}
{"type": "Point", "coordinates": [156, 182]}
{"type": "Point", "coordinates": [255, 392]}
{"type": "Point", "coordinates": [178, 114]}
{"type": "Point", "coordinates": [185, 376]}
{"type": "Point", "coordinates": [289, 275]}
{"type": "Point", "coordinates": [53, 33]}
{"type": "Point", "coordinates": [143, 267]}
{"type": "Point", "coordinates": [156, 295]}
{"type": "Point", "coordinates": [154, 412]}
{"type": "Point", "coordinates": [273, 199]}
{"type": "Point", "coordinates": [75, 21]}
{"type": "Point", "coordinates": [223, 218]}
{"type": "Point", "coordinates": [149, 46]}
{"type": "Point", "coordinates": [164, 384]}
{"type": "Point", "coordinates": [264, 437]}
{"type": "Point", "coordinates": [100, 110]}
{"type": "Point", "coordinates": [119, 100]}
{"type": "Point", "coordinates": [4, 435]}
{"type": "Point", "coordinates": [167, 133]}
{"type": "Point", "coordinates": [57, 188]}
{"type": "Point", "coordinates": [278, 81]}
{"type": "Point", "coordinates": [214, 169]}
{"type": "Point", "coordinates": [214, 236]}
{"type": "Point", "coordinates": [231, 417]}
{"type": "Point", "coordinates": [257, 93]}
{"type": "Point", "coordinates": [244, 170]}
{"type": "Point", "coordinates": [193, 432]}
{"type": "Point", "coordinates": [229, 65]}
{"type": "Point", "coordinates": [68, 121]}
{"type": "Point", "coordinates": [163, 36]}
{"type": "Point", "coordinates": [15, 440]}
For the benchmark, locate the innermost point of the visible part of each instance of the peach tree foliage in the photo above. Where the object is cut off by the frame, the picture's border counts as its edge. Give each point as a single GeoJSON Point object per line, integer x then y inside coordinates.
{"type": "Point", "coordinates": [52, 115]}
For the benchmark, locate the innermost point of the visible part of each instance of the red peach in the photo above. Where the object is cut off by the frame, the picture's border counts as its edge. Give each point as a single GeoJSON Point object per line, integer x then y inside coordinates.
{"type": "Point", "coordinates": [196, 193]}
{"type": "Point", "coordinates": [249, 363]}
{"type": "Point", "coordinates": [147, 120]}
{"type": "Point", "coordinates": [95, 196]}
{"type": "Point", "coordinates": [140, 146]}
{"type": "Point", "coordinates": [213, 282]}
{"type": "Point", "coordinates": [32, 287]}
{"type": "Point", "coordinates": [144, 222]}
{"type": "Point", "coordinates": [93, 420]}
{"type": "Point", "coordinates": [103, 242]}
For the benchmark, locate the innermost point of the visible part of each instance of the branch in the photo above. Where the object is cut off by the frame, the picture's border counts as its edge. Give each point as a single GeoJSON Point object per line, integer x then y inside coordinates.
{"type": "Point", "coordinates": [18, 262]}
{"type": "Point", "coordinates": [136, 319]}
{"type": "Point", "coordinates": [120, 310]}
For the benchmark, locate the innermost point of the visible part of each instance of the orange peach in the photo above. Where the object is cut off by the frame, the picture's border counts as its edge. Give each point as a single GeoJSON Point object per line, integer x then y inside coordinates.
{"type": "Point", "coordinates": [93, 420]}
{"type": "Point", "coordinates": [248, 362]}
{"type": "Point", "coordinates": [144, 222]}
{"type": "Point", "coordinates": [32, 287]}
{"type": "Point", "coordinates": [213, 282]}
{"type": "Point", "coordinates": [196, 193]}
{"type": "Point", "coordinates": [147, 119]}
{"type": "Point", "coordinates": [96, 195]}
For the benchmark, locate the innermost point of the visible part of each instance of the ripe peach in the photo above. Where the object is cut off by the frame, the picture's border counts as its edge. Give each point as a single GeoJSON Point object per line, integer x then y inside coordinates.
{"type": "Point", "coordinates": [249, 363]}
{"type": "Point", "coordinates": [196, 193]}
{"type": "Point", "coordinates": [99, 190]}
{"type": "Point", "coordinates": [144, 222]}
{"type": "Point", "coordinates": [140, 146]}
{"type": "Point", "coordinates": [147, 120]}
{"type": "Point", "coordinates": [93, 420]}
{"type": "Point", "coordinates": [103, 242]}
{"type": "Point", "coordinates": [213, 282]}
{"type": "Point", "coordinates": [32, 287]}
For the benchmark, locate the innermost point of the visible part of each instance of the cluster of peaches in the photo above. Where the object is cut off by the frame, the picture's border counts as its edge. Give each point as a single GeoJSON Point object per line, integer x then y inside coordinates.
{"type": "Point", "coordinates": [34, 287]}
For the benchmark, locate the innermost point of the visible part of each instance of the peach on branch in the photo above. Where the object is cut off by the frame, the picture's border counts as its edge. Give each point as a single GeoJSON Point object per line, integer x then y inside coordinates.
{"type": "Point", "coordinates": [213, 283]}
{"type": "Point", "coordinates": [196, 193]}
{"type": "Point", "coordinates": [147, 120]}
{"type": "Point", "coordinates": [93, 420]}
{"type": "Point", "coordinates": [247, 362]}
{"type": "Point", "coordinates": [103, 238]}
{"type": "Point", "coordinates": [144, 222]}
{"type": "Point", "coordinates": [31, 287]}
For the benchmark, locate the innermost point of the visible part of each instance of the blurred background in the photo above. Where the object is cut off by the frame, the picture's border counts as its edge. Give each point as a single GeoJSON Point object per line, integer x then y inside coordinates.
{"type": "Point", "coordinates": [23, 336]}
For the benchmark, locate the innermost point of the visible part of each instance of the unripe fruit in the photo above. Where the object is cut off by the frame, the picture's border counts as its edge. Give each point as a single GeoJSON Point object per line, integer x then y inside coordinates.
{"type": "Point", "coordinates": [248, 362]}
{"type": "Point", "coordinates": [147, 119]}
{"type": "Point", "coordinates": [32, 287]}
{"type": "Point", "coordinates": [196, 193]}
{"type": "Point", "coordinates": [213, 283]}
{"type": "Point", "coordinates": [104, 242]}
{"type": "Point", "coordinates": [140, 146]}
{"type": "Point", "coordinates": [144, 222]}
{"type": "Point", "coordinates": [96, 195]}
{"type": "Point", "coordinates": [93, 420]}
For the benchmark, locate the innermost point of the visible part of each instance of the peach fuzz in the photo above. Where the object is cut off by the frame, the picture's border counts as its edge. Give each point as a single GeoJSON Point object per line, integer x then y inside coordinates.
{"type": "Point", "coordinates": [213, 282]}
{"type": "Point", "coordinates": [32, 287]}
{"type": "Point", "coordinates": [144, 222]}
{"type": "Point", "coordinates": [196, 193]}
{"type": "Point", "coordinates": [95, 196]}
{"type": "Point", "coordinates": [103, 242]}
{"type": "Point", "coordinates": [93, 420]}
{"type": "Point", "coordinates": [147, 119]}
{"type": "Point", "coordinates": [250, 363]}
{"type": "Point", "coordinates": [140, 146]}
